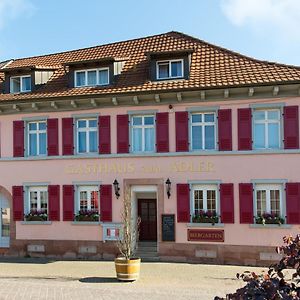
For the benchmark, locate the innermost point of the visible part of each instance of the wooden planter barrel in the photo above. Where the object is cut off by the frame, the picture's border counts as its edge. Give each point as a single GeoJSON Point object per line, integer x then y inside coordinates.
{"type": "Point", "coordinates": [127, 270]}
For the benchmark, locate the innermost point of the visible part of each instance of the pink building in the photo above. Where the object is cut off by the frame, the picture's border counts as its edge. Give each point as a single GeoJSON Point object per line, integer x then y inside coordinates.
{"type": "Point", "coordinates": [207, 141]}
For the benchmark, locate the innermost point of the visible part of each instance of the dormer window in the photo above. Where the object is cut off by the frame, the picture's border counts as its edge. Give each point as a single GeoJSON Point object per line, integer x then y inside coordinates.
{"type": "Point", "coordinates": [92, 77]}
{"type": "Point", "coordinates": [20, 84]}
{"type": "Point", "coordinates": [169, 69]}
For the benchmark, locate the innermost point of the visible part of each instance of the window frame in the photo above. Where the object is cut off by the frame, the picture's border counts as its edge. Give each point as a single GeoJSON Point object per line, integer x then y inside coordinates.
{"type": "Point", "coordinates": [37, 132]}
{"type": "Point", "coordinates": [39, 189]}
{"type": "Point", "coordinates": [86, 77]}
{"type": "Point", "coordinates": [21, 84]}
{"type": "Point", "coordinates": [204, 187]}
{"type": "Point", "coordinates": [87, 130]}
{"type": "Point", "coordinates": [88, 188]}
{"type": "Point", "coordinates": [268, 187]}
{"type": "Point", "coordinates": [143, 132]}
{"type": "Point", "coordinates": [266, 123]}
{"type": "Point", "coordinates": [169, 62]}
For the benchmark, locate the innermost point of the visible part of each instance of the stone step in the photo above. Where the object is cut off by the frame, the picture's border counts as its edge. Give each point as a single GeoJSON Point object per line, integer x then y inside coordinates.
{"type": "Point", "coordinates": [147, 254]}
{"type": "Point", "coordinates": [150, 259]}
{"type": "Point", "coordinates": [147, 249]}
{"type": "Point", "coordinates": [150, 244]}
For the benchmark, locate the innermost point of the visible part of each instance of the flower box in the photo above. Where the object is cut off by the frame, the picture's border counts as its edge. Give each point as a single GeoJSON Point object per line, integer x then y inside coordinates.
{"type": "Point", "coordinates": [35, 215]}
{"type": "Point", "coordinates": [87, 216]}
{"type": "Point", "coordinates": [205, 217]}
{"type": "Point", "coordinates": [267, 218]}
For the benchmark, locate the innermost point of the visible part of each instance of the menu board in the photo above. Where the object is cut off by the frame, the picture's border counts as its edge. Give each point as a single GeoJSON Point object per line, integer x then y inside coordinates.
{"type": "Point", "coordinates": [168, 227]}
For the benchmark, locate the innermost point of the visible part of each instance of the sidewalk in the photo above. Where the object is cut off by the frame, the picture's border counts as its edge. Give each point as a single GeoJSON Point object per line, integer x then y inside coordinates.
{"type": "Point", "coordinates": [42, 279]}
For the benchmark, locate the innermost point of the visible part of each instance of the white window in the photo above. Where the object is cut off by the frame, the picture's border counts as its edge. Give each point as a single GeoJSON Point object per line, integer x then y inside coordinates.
{"type": "Point", "coordinates": [267, 129]}
{"type": "Point", "coordinates": [92, 77]}
{"type": "Point", "coordinates": [205, 199]}
{"type": "Point", "coordinates": [37, 138]}
{"type": "Point", "coordinates": [38, 199]}
{"type": "Point", "coordinates": [20, 84]}
{"type": "Point", "coordinates": [268, 199]}
{"type": "Point", "coordinates": [143, 133]}
{"type": "Point", "coordinates": [203, 131]}
{"type": "Point", "coordinates": [87, 135]}
{"type": "Point", "coordinates": [88, 198]}
{"type": "Point", "coordinates": [169, 69]}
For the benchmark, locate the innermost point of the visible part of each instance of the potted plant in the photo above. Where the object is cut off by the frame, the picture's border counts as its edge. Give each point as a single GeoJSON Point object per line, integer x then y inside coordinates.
{"type": "Point", "coordinates": [87, 216]}
{"type": "Point", "coordinates": [267, 218]}
{"type": "Point", "coordinates": [127, 265]}
{"type": "Point", "coordinates": [205, 217]}
{"type": "Point", "coordinates": [36, 215]}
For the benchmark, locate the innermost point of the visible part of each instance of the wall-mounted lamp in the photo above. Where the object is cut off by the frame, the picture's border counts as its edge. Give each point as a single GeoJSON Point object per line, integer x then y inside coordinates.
{"type": "Point", "coordinates": [117, 188]}
{"type": "Point", "coordinates": [168, 187]}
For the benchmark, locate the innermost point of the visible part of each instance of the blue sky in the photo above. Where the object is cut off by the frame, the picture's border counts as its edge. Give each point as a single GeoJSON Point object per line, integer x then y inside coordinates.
{"type": "Point", "coordinates": [265, 29]}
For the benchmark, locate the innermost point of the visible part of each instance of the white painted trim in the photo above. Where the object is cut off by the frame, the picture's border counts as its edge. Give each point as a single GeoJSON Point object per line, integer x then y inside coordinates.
{"type": "Point", "coordinates": [21, 84]}
{"type": "Point", "coordinates": [169, 62]}
{"type": "Point", "coordinates": [86, 76]}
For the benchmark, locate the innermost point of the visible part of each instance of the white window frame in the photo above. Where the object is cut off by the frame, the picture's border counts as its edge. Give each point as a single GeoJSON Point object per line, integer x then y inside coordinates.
{"type": "Point", "coordinates": [87, 188]}
{"type": "Point", "coordinates": [268, 187]}
{"type": "Point", "coordinates": [38, 189]}
{"type": "Point", "coordinates": [21, 84]}
{"type": "Point", "coordinates": [205, 188]}
{"type": "Point", "coordinates": [169, 62]}
{"type": "Point", "coordinates": [266, 123]}
{"type": "Point", "coordinates": [37, 132]}
{"type": "Point", "coordinates": [87, 130]}
{"type": "Point", "coordinates": [143, 132]}
{"type": "Point", "coordinates": [86, 77]}
{"type": "Point", "coordinates": [203, 124]}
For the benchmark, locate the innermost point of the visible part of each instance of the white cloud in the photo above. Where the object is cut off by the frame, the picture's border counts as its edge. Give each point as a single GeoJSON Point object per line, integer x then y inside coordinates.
{"type": "Point", "coordinates": [265, 16]}
{"type": "Point", "coordinates": [12, 9]}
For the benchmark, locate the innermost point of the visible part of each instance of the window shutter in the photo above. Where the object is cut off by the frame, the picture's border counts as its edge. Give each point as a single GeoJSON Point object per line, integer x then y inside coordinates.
{"type": "Point", "coordinates": [183, 203]}
{"type": "Point", "coordinates": [225, 129]}
{"type": "Point", "coordinates": [53, 198]}
{"type": "Point", "coordinates": [293, 202]}
{"type": "Point", "coordinates": [182, 131]}
{"type": "Point", "coordinates": [104, 135]}
{"type": "Point", "coordinates": [291, 127]}
{"type": "Point", "coordinates": [18, 138]}
{"type": "Point", "coordinates": [18, 203]}
{"type": "Point", "coordinates": [68, 202]}
{"type": "Point", "coordinates": [52, 136]}
{"type": "Point", "coordinates": [106, 202]}
{"type": "Point", "coordinates": [244, 129]}
{"type": "Point", "coordinates": [68, 136]}
{"type": "Point", "coordinates": [122, 134]}
{"type": "Point", "coordinates": [227, 202]}
{"type": "Point", "coordinates": [162, 132]}
{"type": "Point", "coordinates": [246, 203]}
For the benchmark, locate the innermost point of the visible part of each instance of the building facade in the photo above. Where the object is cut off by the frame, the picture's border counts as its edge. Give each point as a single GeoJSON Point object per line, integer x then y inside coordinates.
{"type": "Point", "coordinates": [206, 140]}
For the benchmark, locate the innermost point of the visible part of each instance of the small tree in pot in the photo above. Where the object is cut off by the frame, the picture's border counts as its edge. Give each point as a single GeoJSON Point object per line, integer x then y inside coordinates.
{"type": "Point", "coordinates": [127, 265]}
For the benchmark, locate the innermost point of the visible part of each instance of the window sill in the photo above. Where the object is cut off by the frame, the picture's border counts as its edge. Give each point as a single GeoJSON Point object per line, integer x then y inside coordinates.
{"type": "Point", "coordinates": [36, 222]}
{"type": "Point", "coordinates": [268, 226]}
{"type": "Point", "coordinates": [86, 223]}
{"type": "Point", "coordinates": [217, 225]}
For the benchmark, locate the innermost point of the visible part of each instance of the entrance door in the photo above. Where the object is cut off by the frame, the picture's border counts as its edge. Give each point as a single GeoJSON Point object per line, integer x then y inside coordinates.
{"type": "Point", "coordinates": [147, 213]}
{"type": "Point", "coordinates": [4, 222]}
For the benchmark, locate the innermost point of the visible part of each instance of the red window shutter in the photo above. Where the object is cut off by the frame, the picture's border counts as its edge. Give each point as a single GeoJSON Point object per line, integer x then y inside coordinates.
{"type": "Point", "coordinates": [225, 129]}
{"type": "Point", "coordinates": [291, 127]}
{"type": "Point", "coordinates": [162, 132]}
{"type": "Point", "coordinates": [53, 197]}
{"type": "Point", "coordinates": [18, 138]}
{"type": "Point", "coordinates": [182, 131]}
{"type": "Point", "coordinates": [246, 203]}
{"type": "Point", "coordinates": [122, 134]}
{"type": "Point", "coordinates": [68, 202]}
{"type": "Point", "coordinates": [106, 202]}
{"type": "Point", "coordinates": [183, 203]}
{"type": "Point", "coordinates": [18, 203]}
{"type": "Point", "coordinates": [104, 135]}
{"type": "Point", "coordinates": [68, 136]}
{"type": "Point", "coordinates": [293, 202]}
{"type": "Point", "coordinates": [244, 129]}
{"type": "Point", "coordinates": [227, 202]}
{"type": "Point", "coordinates": [52, 136]}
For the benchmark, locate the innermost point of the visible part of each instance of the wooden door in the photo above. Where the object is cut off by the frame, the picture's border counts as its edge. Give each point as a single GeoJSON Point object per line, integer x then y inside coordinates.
{"type": "Point", "coordinates": [147, 212]}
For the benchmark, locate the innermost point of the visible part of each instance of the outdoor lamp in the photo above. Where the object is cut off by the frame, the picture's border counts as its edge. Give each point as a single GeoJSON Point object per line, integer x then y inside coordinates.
{"type": "Point", "coordinates": [117, 188]}
{"type": "Point", "coordinates": [168, 187]}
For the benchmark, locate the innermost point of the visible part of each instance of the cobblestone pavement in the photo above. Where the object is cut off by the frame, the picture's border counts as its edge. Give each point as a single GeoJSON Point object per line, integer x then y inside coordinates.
{"type": "Point", "coordinates": [41, 279]}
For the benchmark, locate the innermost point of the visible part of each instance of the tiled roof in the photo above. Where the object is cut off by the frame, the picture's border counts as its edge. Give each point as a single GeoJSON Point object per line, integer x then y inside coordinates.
{"type": "Point", "coordinates": [211, 67]}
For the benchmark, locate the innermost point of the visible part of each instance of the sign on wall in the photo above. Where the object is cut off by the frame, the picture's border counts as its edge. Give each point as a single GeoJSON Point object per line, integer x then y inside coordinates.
{"type": "Point", "coordinates": [168, 228]}
{"type": "Point", "coordinates": [205, 235]}
{"type": "Point", "coordinates": [111, 231]}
